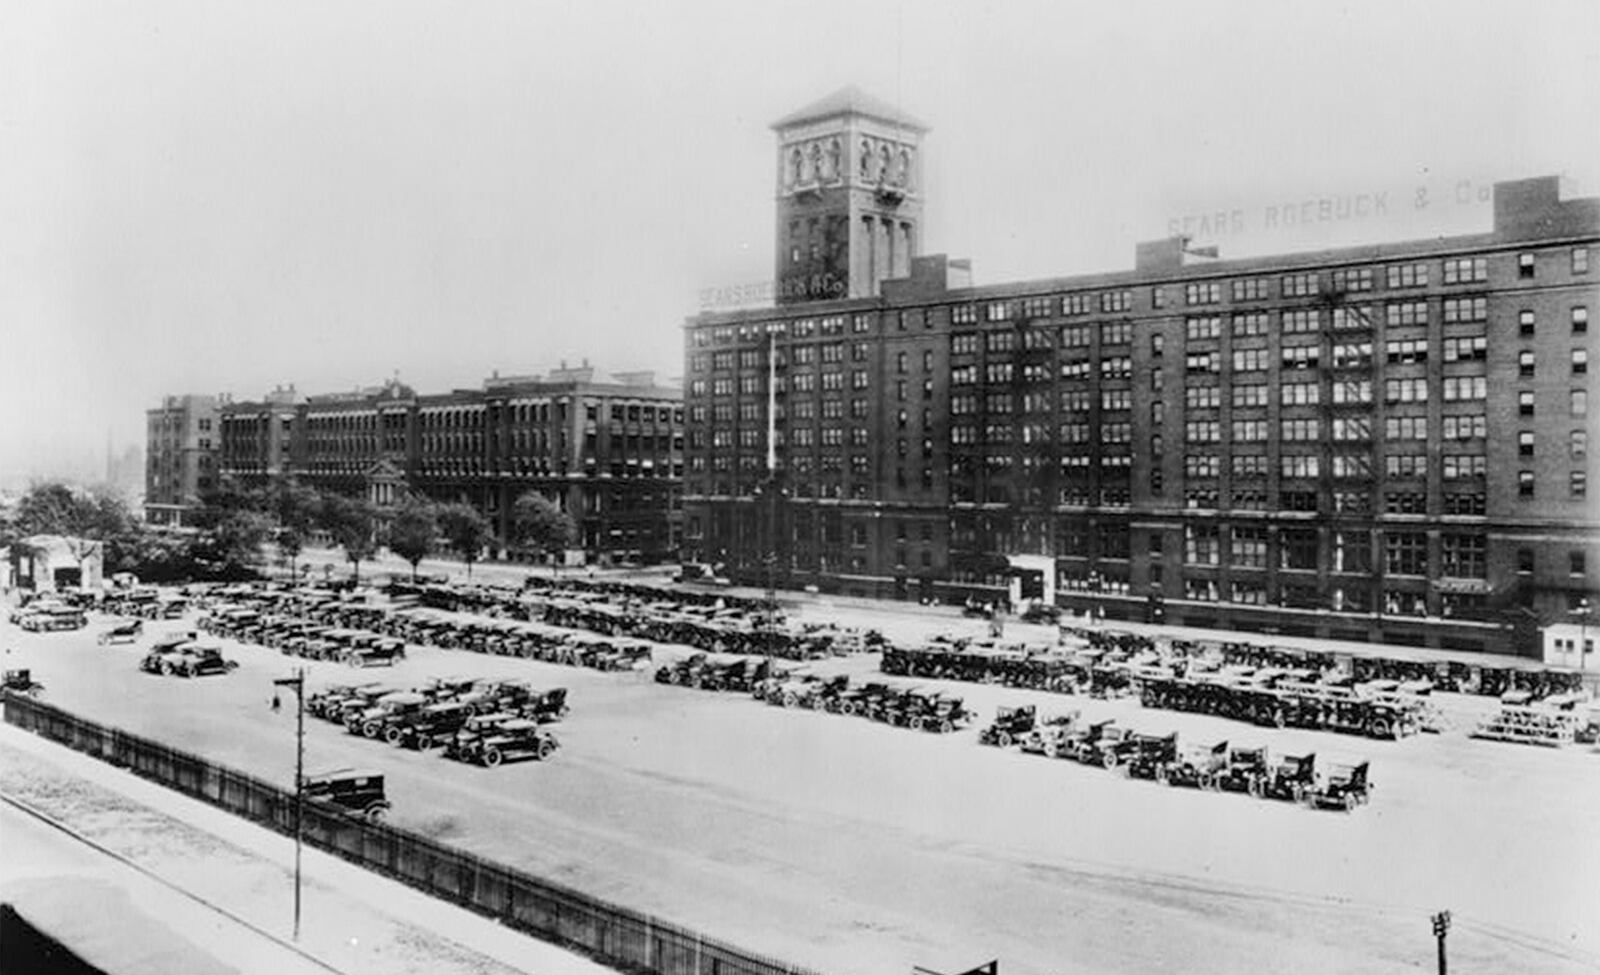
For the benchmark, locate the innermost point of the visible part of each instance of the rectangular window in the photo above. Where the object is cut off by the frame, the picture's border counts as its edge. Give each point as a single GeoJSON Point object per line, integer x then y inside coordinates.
{"type": "Point", "coordinates": [1302, 320]}
{"type": "Point", "coordinates": [1352, 355]}
{"type": "Point", "coordinates": [1464, 556]}
{"type": "Point", "coordinates": [1115, 301]}
{"type": "Point", "coordinates": [1301, 356]}
{"type": "Point", "coordinates": [1405, 428]}
{"type": "Point", "coordinates": [1405, 465]}
{"type": "Point", "coordinates": [1200, 362]}
{"type": "Point", "coordinates": [1249, 360]}
{"type": "Point", "coordinates": [1299, 285]}
{"type": "Point", "coordinates": [1080, 304]}
{"type": "Point", "coordinates": [1202, 293]}
{"type": "Point", "coordinates": [1405, 352]}
{"type": "Point", "coordinates": [1300, 430]}
{"type": "Point", "coordinates": [1251, 289]}
{"type": "Point", "coordinates": [1405, 390]}
{"type": "Point", "coordinates": [1464, 426]}
{"type": "Point", "coordinates": [1457, 388]}
{"type": "Point", "coordinates": [1248, 548]}
{"type": "Point", "coordinates": [1202, 397]}
{"type": "Point", "coordinates": [1578, 485]}
{"type": "Point", "coordinates": [1405, 553]}
{"type": "Point", "coordinates": [1300, 465]}
{"type": "Point", "coordinates": [1349, 317]}
{"type": "Point", "coordinates": [1116, 333]}
{"type": "Point", "coordinates": [1580, 260]}
{"type": "Point", "coordinates": [1247, 324]}
{"type": "Point", "coordinates": [1201, 545]}
{"type": "Point", "coordinates": [1457, 310]}
{"type": "Point", "coordinates": [1466, 270]}
{"type": "Point", "coordinates": [963, 314]}
{"type": "Point", "coordinates": [1405, 503]}
{"type": "Point", "coordinates": [1403, 313]}
{"type": "Point", "coordinates": [1460, 467]}
{"type": "Point", "coordinates": [1408, 276]}
{"type": "Point", "coordinates": [1250, 395]}
{"type": "Point", "coordinates": [1300, 394]}
{"type": "Point", "coordinates": [1202, 327]}
{"type": "Point", "coordinates": [1249, 431]}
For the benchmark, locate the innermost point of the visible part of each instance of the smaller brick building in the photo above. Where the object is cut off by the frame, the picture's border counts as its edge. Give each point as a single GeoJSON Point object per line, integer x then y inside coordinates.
{"type": "Point", "coordinates": [180, 457]}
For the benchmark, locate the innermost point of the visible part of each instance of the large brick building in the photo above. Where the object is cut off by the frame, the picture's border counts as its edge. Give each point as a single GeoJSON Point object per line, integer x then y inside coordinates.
{"type": "Point", "coordinates": [608, 451]}
{"type": "Point", "coordinates": [180, 455]}
{"type": "Point", "coordinates": [1385, 442]}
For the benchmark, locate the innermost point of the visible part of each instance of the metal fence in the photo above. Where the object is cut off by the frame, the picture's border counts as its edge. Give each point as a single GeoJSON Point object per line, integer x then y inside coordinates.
{"type": "Point", "coordinates": [610, 934]}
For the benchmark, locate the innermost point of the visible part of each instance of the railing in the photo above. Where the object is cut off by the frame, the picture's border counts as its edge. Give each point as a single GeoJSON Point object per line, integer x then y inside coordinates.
{"type": "Point", "coordinates": [610, 934]}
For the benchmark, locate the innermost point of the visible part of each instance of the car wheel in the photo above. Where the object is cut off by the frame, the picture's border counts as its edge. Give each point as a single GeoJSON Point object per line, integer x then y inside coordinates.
{"type": "Point", "coordinates": [371, 729]}
{"type": "Point", "coordinates": [393, 736]}
{"type": "Point", "coordinates": [1004, 739]}
{"type": "Point", "coordinates": [1109, 759]}
{"type": "Point", "coordinates": [945, 727]}
{"type": "Point", "coordinates": [376, 814]}
{"type": "Point", "coordinates": [1380, 728]}
{"type": "Point", "coordinates": [491, 757]}
{"type": "Point", "coordinates": [547, 747]}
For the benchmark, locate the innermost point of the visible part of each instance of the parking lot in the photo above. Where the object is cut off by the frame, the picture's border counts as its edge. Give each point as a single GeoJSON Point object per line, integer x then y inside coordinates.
{"type": "Point", "coordinates": [855, 847]}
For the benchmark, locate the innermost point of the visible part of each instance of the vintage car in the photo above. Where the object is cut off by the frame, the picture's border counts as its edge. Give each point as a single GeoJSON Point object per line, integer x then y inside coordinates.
{"type": "Point", "coordinates": [1149, 755]}
{"type": "Point", "coordinates": [1195, 764]}
{"type": "Point", "coordinates": [942, 713]}
{"type": "Point", "coordinates": [1083, 744]}
{"type": "Point", "coordinates": [348, 791]}
{"type": "Point", "coordinates": [426, 726]}
{"type": "Point", "coordinates": [1241, 771]}
{"type": "Point", "coordinates": [48, 617]}
{"type": "Point", "coordinates": [1290, 777]}
{"type": "Point", "coordinates": [464, 744]}
{"type": "Point", "coordinates": [518, 737]}
{"type": "Point", "coordinates": [21, 681]}
{"type": "Point", "coordinates": [1010, 724]}
{"type": "Point", "coordinates": [195, 660]}
{"type": "Point", "coordinates": [1050, 736]}
{"type": "Point", "coordinates": [126, 632]}
{"type": "Point", "coordinates": [162, 658]}
{"type": "Point", "coordinates": [371, 722]}
{"type": "Point", "coordinates": [1343, 786]}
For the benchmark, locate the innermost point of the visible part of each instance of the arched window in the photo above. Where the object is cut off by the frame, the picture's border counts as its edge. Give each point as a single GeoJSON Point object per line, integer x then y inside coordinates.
{"type": "Point", "coordinates": [866, 159]}
{"type": "Point", "coordinates": [793, 175]}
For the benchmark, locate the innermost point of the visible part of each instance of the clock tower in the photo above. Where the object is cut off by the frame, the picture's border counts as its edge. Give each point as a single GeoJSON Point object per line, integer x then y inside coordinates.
{"type": "Point", "coordinates": [849, 197]}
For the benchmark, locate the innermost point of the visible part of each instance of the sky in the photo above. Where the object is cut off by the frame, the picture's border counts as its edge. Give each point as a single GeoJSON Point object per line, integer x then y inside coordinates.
{"type": "Point", "coordinates": [216, 196]}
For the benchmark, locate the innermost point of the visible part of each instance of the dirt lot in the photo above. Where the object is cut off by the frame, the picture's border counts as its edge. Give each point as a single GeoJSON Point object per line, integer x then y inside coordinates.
{"type": "Point", "coordinates": [854, 847]}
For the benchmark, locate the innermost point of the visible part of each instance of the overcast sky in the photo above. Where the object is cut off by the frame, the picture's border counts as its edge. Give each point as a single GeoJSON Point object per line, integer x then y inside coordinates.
{"type": "Point", "coordinates": [207, 196]}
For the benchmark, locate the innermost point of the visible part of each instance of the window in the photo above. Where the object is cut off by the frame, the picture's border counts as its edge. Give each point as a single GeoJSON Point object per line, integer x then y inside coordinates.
{"type": "Point", "coordinates": [1206, 327]}
{"type": "Point", "coordinates": [1466, 270]}
{"type": "Point", "coordinates": [1524, 561]}
{"type": "Point", "coordinates": [1251, 289]}
{"type": "Point", "coordinates": [1249, 323]}
{"type": "Point", "coordinates": [1465, 503]}
{"type": "Point", "coordinates": [1353, 279]}
{"type": "Point", "coordinates": [1351, 552]}
{"type": "Point", "coordinates": [1525, 484]}
{"type": "Point", "coordinates": [1202, 293]}
{"type": "Point", "coordinates": [1458, 310]}
{"type": "Point", "coordinates": [1579, 403]}
{"type": "Point", "coordinates": [1248, 548]}
{"type": "Point", "coordinates": [1352, 355]}
{"type": "Point", "coordinates": [1202, 465]}
{"type": "Point", "coordinates": [1575, 564]}
{"type": "Point", "coordinates": [1114, 301]}
{"type": "Point", "coordinates": [1525, 364]}
{"type": "Point", "coordinates": [1465, 426]}
{"type": "Point", "coordinates": [1301, 356]}
{"type": "Point", "coordinates": [1158, 297]}
{"type": "Point", "coordinates": [1299, 465]}
{"type": "Point", "coordinates": [1116, 399]}
{"type": "Point", "coordinates": [1525, 265]}
{"type": "Point", "coordinates": [1406, 313]}
{"type": "Point", "coordinates": [1249, 431]}
{"type": "Point", "coordinates": [1201, 431]}
{"type": "Point", "coordinates": [1466, 349]}
{"type": "Point", "coordinates": [1251, 395]}
{"type": "Point", "coordinates": [1464, 556]}
{"type": "Point", "coordinates": [1405, 503]}
{"type": "Point", "coordinates": [1406, 465]}
{"type": "Point", "coordinates": [1525, 443]}
{"type": "Point", "coordinates": [1405, 428]}
{"type": "Point", "coordinates": [1457, 467]}
{"type": "Point", "coordinates": [1303, 320]}
{"type": "Point", "coordinates": [1300, 430]}
{"type": "Point", "coordinates": [1408, 276]}
{"type": "Point", "coordinates": [1249, 360]}
{"type": "Point", "coordinates": [1299, 285]}
{"type": "Point", "coordinates": [1158, 344]}
{"type": "Point", "coordinates": [1200, 362]}
{"type": "Point", "coordinates": [1249, 465]}
{"type": "Point", "coordinates": [1405, 553]}
{"type": "Point", "coordinates": [1525, 403]}
{"type": "Point", "coordinates": [963, 314]}
{"type": "Point", "coordinates": [1300, 394]}
{"type": "Point", "coordinates": [1578, 444]}
{"type": "Point", "coordinates": [1077, 304]}
{"type": "Point", "coordinates": [1201, 545]}
{"type": "Point", "coordinates": [1116, 333]}
{"type": "Point", "coordinates": [1298, 549]}
{"type": "Point", "coordinates": [1036, 307]}
{"type": "Point", "coordinates": [1465, 388]}
{"type": "Point", "coordinates": [1202, 397]}
{"type": "Point", "coordinates": [1580, 260]}
{"type": "Point", "coordinates": [1405, 352]}
{"type": "Point", "coordinates": [1580, 361]}
{"type": "Point", "coordinates": [1525, 321]}
{"type": "Point", "coordinates": [1578, 487]}
{"type": "Point", "coordinates": [1580, 320]}
{"type": "Point", "coordinates": [1352, 317]}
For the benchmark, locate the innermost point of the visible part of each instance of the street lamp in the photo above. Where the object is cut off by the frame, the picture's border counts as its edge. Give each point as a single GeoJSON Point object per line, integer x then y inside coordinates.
{"type": "Point", "coordinates": [1441, 927]}
{"type": "Point", "coordinates": [298, 682]}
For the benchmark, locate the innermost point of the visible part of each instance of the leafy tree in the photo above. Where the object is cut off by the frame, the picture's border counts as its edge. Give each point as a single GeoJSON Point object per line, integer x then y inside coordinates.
{"type": "Point", "coordinates": [296, 507]}
{"type": "Point", "coordinates": [413, 531]}
{"type": "Point", "coordinates": [85, 520]}
{"type": "Point", "coordinates": [351, 522]}
{"type": "Point", "coordinates": [467, 531]}
{"type": "Point", "coordinates": [540, 526]}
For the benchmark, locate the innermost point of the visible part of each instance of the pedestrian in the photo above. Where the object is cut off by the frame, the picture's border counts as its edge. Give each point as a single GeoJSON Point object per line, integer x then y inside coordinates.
{"type": "Point", "coordinates": [277, 704]}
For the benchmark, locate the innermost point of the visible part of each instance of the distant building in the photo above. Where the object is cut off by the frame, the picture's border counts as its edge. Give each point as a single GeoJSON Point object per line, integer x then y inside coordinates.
{"type": "Point", "coordinates": [1388, 442]}
{"type": "Point", "coordinates": [607, 450]}
{"type": "Point", "coordinates": [48, 563]}
{"type": "Point", "coordinates": [181, 441]}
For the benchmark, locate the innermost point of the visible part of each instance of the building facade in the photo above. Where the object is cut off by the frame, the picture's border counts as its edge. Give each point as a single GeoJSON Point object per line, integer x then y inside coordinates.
{"type": "Point", "coordinates": [609, 451]}
{"type": "Point", "coordinates": [1383, 443]}
{"type": "Point", "coordinates": [181, 442]}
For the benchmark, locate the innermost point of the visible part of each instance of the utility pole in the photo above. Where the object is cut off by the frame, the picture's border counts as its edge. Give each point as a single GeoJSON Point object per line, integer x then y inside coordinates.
{"type": "Point", "coordinates": [298, 682]}
{"type": "Point", "coordinates": [1581, 611]}
{"type": "Point", "coordinates": [1441, 927]}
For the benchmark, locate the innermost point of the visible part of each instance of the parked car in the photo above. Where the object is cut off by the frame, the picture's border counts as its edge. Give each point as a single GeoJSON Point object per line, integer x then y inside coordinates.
{"type": "Point", "coordinates": [1287, 778]}
{"type": "Point", "coordinates": [1010, 724]}
{"type": "Point", "coordinates": [194, 660]}
{"type": "Point", "coordinates": [516, 738]}
{"type": "Point", "coordinates": [1242, 771]}
{"type": "Point", "coordinates": [1343, 786]}
{"type": "Point", "coordinates": [1195, 764]}
{"type": "Point", "coordinates": [351, 792]}
{"type": "Point", "coordinates": [21, 681]}
{"type": "Point", "coordinates": [1149, 755]}
{"type": "Point", "coordinates": [463, 746]}
{"type": "Point", "coordinates": [425, 727]}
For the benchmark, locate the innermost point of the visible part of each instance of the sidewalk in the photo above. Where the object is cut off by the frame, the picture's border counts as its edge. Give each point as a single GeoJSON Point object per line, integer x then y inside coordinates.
{"type": "Point", "coordinates": [353, 921]}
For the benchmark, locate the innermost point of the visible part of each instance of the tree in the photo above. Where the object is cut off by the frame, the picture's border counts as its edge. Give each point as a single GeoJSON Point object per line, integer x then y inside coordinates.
{"type": "Point", "coordinates": [467, 531]}
{"type": "Point", "coordinates": [351, 522]}
{"type": "Point", "coordinates": [540, 526]}
{"type": "Point", "coordinates": [413, 531]}
{"type": "Point", "coordinates": [85, 520]}
{"type": "Point", "coordinates": [296, 507]}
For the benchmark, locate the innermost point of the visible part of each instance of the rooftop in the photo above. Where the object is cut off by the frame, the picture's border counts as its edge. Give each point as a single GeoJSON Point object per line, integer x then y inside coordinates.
{"type": "Point", "coordinates": [850, 101]}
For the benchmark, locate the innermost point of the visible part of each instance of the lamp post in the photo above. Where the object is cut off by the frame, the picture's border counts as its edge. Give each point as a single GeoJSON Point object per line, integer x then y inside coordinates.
{"type": "Point", "coordinates": [298, 682]}
{"type": "Point", "coordinates": [1441, 927]}
{"type": "Point", "coordinates": [1581, 611]}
